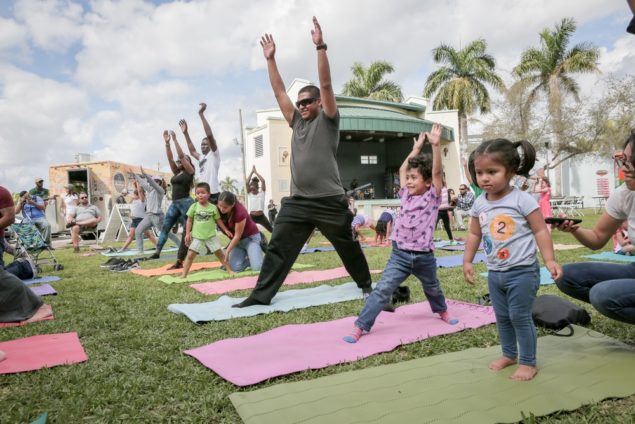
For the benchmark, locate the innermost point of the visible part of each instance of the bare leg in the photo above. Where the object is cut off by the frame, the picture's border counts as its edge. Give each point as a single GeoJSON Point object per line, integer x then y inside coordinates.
{"type": "Point", "coordinates": [191, 254]}
{"type": "Point", "coordinates": [501, 363]}
{"type": "Point", "coordinates": [75, 236]}
{"type": "Point", "coordinates": [150, 235]}
{"type": "Point", "coordinates": [223, 259]}
{"type": "Point", "coordinates": [524, 373]}
{"type": "Point", "coordinates": [131, 234]}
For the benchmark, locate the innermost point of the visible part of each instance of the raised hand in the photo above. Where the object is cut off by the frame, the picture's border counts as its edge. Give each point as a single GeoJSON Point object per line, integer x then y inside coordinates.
{"type": "Point", "coordinates": [418, 142]}
{"type": "Point", "coordinates": [268, 46]}
{"type": "Point", "coordinates": [142, 171]}
{"type": "Point", "coordinates": [202, 108]}
{"type": "Point", "coordinates": [434, 136]}
{"type": "Point", "coordinates": [166, 137]}
{"type": "Point", "coordinates": [173, 135]}
{"type": "Point", "coordinates": [183, 126]}
{"type": "Point", "coordinates": [316, 32]}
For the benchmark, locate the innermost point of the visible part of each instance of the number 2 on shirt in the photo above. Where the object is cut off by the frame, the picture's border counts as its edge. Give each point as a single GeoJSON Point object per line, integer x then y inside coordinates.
{"type": "Point", "coordinates": [502, 227]}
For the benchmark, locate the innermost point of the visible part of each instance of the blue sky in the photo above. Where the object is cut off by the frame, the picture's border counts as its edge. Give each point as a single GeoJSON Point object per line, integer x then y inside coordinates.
{"type": "Point", "coordinates": [107, 77]}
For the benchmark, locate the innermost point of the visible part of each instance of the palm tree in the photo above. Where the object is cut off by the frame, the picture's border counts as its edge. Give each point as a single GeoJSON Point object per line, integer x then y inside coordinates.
{"type": "Point", "coordinates": [549, 69]}
{"type": "Point", "coordinates": [229, 184]}
{"type": "Point", "coordinates": [369, 82]}
{"type": "Point", "coordinates": [460, 82]}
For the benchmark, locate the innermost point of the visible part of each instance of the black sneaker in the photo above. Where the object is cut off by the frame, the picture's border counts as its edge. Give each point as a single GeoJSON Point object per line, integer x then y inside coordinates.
{"type": "Point", "coordinates": [631, 27]}
{"type": "Point", "coordinates": [116, 264]}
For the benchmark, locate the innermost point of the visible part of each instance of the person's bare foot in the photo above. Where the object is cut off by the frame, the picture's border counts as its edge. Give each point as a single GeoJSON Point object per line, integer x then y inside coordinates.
{"type": "Point", "coordinates": [3, 356]}
{"type": "Point", "coordinates": [45, 311]}
{"type": "Point", "coordinates": [524, 373]}
{"type": "Point", "coordinates": [501, 363]}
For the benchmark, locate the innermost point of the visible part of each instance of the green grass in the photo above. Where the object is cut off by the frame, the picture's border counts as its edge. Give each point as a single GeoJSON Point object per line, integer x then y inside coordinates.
{"type": "Point", "coordinates": [137, 373]}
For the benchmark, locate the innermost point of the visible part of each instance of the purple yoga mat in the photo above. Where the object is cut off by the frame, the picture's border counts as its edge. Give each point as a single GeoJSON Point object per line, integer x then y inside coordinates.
{"type": "Point", "coordinates": [44, 290]}
{"type": "Point", "coordinates": [292, 348]}
{"type": "Point", "coordinates": [457, 260]}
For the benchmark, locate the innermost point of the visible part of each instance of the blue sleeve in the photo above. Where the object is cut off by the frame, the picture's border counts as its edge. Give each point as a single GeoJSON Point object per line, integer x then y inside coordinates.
{"type": "Point", "coordinates": [526, 203]}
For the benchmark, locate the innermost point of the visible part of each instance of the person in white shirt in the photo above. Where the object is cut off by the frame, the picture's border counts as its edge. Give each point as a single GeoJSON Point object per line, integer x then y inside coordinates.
{"type": "Point", "coordinates": [256, 188]}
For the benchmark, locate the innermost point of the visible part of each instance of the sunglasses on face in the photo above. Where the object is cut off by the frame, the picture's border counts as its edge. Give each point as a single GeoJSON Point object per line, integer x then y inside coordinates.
{"type": "Point", "coordinates": [305, 102]}
{"type": "Point", "coordinates": [83, 197]}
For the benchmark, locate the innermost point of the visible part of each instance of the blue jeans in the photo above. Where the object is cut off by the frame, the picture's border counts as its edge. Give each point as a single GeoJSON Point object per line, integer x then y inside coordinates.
{"type": "Point", "coordinates": [401, 265]}
{"type": "Point", "coordinates": [610, 288]}
{"type": "Point", "coordinates": [512, 293]}
{"type": "Point", "coordinates": [247, 253]}
{"type": "Point", "coordinates": [176, 212]}
{"type": "Point", "coordinates": [20, 269]}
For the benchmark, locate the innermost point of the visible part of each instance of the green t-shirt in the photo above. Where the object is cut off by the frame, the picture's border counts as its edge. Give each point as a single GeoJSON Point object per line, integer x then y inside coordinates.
{"type": "Point", "coordinates": [43, 193]}
{"type": "Point", "coordinates": [204, 220]}
{"type": "Point", "coordinates": [476, 189]}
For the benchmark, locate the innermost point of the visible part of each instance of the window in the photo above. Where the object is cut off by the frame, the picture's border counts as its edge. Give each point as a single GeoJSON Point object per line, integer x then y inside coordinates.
{"type": "Point", "coordinates": [368, 160]}
{"type": "Point", "coordinates": [258, 146]}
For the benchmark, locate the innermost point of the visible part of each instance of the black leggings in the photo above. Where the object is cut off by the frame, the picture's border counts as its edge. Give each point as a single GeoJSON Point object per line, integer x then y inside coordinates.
{"type": "Point", "coordinates": [262, 220]}
{"type": "Point", "coordinates": [444, 214]}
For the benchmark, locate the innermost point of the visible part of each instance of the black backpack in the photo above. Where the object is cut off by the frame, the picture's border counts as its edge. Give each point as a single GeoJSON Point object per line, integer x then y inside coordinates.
{"type": "Point", "coordinates": [556, 313]}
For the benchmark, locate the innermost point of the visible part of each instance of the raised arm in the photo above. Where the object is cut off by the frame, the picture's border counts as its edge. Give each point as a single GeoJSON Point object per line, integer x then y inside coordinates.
{"type": "Point", "coordinates": [466, 171]}
{"type": "Point", "coordinates": [285, 103]}
{"type": "Point", "coordinates": [207, 128]}
{"type": "Point", "coordinates": [416, 149]}
{"type": "Point", "coordinates": [327, 95]}
{"type": "Point", "coordinates": [186, 164]}
{"type": "Point", "coordinates": [188, 140]}
{"type": "Point", "coordinates": [434, 137]}
{"type": "Point", "coordinates": [168, 152]}
{"type": "Point", "coordinates": [263, 184]}
{"type": "Point", "coordinates": [248, 179]}
{"type": "Point", "coordinates": [595, 238]}
{"type": "Point", "coordinates": [140, 191]}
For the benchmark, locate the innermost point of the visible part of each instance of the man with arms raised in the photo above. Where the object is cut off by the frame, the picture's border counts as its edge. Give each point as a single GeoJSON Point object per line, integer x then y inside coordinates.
{"type": "Point", "coordinates": [317, 196]}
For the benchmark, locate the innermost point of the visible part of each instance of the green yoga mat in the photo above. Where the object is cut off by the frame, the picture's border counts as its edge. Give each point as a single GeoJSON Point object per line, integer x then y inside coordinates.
{"type": "Point", "coordinates": [217, 274]}
{"type": "Point", "coordinates": [453, 388]}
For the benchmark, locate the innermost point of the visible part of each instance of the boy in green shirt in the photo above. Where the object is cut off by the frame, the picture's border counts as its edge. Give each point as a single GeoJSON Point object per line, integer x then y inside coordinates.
{"type": "Point", "coordinates": [200, 230]}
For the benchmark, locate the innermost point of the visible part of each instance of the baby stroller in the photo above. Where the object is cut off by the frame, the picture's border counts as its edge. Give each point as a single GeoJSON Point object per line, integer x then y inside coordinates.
{"type": "Point", "coordinates": [30, 243]}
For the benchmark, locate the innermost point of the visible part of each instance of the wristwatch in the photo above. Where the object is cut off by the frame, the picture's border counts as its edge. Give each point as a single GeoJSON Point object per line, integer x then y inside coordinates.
{"type": "Point", "coordinates": [322, 46]}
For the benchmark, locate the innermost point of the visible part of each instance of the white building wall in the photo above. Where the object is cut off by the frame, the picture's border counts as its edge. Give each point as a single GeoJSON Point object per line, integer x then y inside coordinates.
{"type": "Point", "coordinates": [580, 176]}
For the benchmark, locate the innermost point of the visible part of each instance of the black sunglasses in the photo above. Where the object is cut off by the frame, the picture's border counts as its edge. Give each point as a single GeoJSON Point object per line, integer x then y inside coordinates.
{"type": "Point", "coordinates": [305, 102]}
{"type": "Point", "coordinates": [83, 197]}
{"type": "Point", "coordinates": [623, 162]}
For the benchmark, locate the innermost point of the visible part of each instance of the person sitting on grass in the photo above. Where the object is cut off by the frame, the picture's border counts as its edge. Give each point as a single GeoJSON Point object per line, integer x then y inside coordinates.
{"type": "Point", "coordinates": [87, 217]}
{"type": "Point", "coordinates": [511, 225]}
{"type": "Point", "coordinates": [200, 229]}
{"type": "Point", "coordinates": [383, 227]}
{"type": "Point", "coordinates": [137, 212]}
{"type": "Point", "coordinates": [621, 242]}
{"type": "Point", "coordinates": [412, 253]}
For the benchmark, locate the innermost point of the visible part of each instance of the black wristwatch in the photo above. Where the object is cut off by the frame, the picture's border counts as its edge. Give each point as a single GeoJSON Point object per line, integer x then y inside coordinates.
{"type": "Point", "coordinates": [322, 46]}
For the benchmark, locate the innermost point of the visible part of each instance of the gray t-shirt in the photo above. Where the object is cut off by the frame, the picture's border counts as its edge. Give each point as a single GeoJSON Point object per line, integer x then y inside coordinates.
{"type": "Point", "coordinates": [621, 206]}
{"type": "Point", "coordinates": [314, 171]}
{"type": "Point", "coordinates": [507, 238]}
{"type": "Point", "coordinates": [87, 212]}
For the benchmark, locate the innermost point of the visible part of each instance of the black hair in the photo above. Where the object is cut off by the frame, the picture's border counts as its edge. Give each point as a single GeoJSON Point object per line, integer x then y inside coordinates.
{"type": "Point", "coordinates": [506, 153]}
{"type": "Point", "coordinates": [380, 228]}
{"type": "Point", "coordinates": [423, 163]}
{"type": "Point", "coordinates": [227, 197]}
{"type": "Point", "coordinates": [255, 181]}
{"type": "Point", "coordinates": [631, 140]}
{"type": "Point", "coordinates": [312, 90]}
{"type": "Point", "coordinates": [203, 185]}
{"type": "Point", "coordinates": [22, 193]}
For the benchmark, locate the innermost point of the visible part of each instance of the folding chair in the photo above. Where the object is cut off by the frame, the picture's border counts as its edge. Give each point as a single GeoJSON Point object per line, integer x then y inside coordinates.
{"type": "Point", "coordinates": [29, 242]}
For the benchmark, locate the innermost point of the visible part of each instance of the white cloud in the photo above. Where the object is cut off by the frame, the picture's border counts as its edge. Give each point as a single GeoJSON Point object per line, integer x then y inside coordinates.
{"type": "Point", "coordinates": [52, 24]}
{"type": "Point", "coordinates": [12, 34]}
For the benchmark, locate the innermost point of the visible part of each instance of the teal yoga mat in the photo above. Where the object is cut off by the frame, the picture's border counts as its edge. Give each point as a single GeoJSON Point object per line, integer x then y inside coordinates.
{"type": "Point", "coordinates": [453, 388]}
{"type": "Point", "coordinates": [545, 276]}
{"type": "Point", "coordinates": [221, 309]}
{"type": "Point", "coordinates": [610, 256]}
{"type": "Point", "coordinates": [217, 274]}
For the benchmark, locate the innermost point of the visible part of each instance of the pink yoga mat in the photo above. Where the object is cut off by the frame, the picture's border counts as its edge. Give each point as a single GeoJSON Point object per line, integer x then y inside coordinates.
{"type": "Point", "coordinates": [21, 323]}
{"type": "Point", "coordinates": [33, 353]}
{"type": "Point", "coordinates": [294, 277]}
{"type": "Point", "coordinates": [292, 348]}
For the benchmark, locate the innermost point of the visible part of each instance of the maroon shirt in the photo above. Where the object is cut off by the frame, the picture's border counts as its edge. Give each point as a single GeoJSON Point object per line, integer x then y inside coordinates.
{"type": "Point", "coordinates": [6, 201]}
{"type": "Point", "coordinates": [239, 213]}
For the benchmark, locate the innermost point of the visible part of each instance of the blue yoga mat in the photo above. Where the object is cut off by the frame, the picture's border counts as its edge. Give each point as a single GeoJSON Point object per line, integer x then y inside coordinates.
{"type": "Point", "coordinates": [610, 256]}
{"type": "Point", "coordinates": [135, 252]}
{"type": "Point", "coordinates": [45, 279]}
{"type": "Point", "coordinates": [317, 249]}
{"type": "Point", "coordinates": [457, 260]}
{"type": "Point", "coordinates": [221, 309]}
{"type": "Point", "coordinates": [545, 276]}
